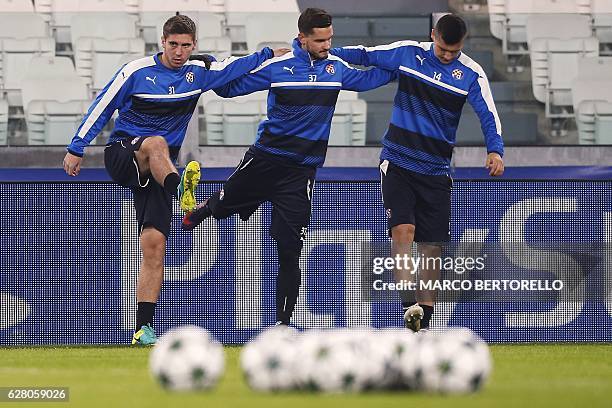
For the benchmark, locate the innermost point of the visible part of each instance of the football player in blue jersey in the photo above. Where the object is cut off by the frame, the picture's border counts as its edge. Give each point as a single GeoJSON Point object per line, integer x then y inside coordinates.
{"type": "Point", "coordinates": [291, 144]}
{"type": "Point", "coordinates": [156, 97]}
{"type": "Point", "coordinates": [435, 80]}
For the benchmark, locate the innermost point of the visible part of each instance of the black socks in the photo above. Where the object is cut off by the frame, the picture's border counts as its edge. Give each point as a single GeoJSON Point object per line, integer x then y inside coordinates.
{"type": "Point", "coordinates": [144, 314]}
{"type": "Point", "coordinates": [171, 184]}
{"type": "Point", "coordinates": [427, 313]}
{"type": "Point", "coordinates": [288, 283]}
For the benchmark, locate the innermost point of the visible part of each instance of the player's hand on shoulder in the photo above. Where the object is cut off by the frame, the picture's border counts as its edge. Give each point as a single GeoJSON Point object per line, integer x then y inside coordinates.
{"type": "Point", "coordinates": [278, 52]}
{"type": "Point", "coordinates": [206, 58]}
{"type": "Point", "coordinates": [72, 164]}
{"type": "Point", "coordinates": [495, 164]}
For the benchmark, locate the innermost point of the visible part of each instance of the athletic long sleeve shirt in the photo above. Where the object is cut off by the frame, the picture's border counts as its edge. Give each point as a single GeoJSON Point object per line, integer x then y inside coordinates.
{"type": "Point", "coordinates": [428, 103]}
{"type": "Point", "coordinates": [154, 100]}
{"type": "Point", "coordinates": [301, 101]}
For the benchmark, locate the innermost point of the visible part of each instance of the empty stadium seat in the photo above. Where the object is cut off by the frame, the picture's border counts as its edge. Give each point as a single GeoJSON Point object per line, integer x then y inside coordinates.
{"type": "Point", "coordinates": [100, 48]}
{"type": "Point", "coordinates": [601, 11]}
{"type": "Point", "coordinates": [497, 17]}
{"type": "Point", "coordinates": [233, 122]}
{"type": "Point", "coordinates": [237, 12]}
{"type": "Point", "coordinates": [55, 99]}
{"type": "Point", "coordinates": [349, 123]}
{"type": "Point", "coordinates": [270, 29]}
{"type": "Point", "coordinates": [509, 17]}
{"type": "Point", "coordinates": [22, 35]}
{"type": "Point", "coordinates": [20, 6]}
{"type": "Point", "coordinates": [556, 44]}
{"type": "Point", "coordinates": [592, 99]}
{"type": "Point", "coordinates": [60, 12]}
{"type": "Point", "coordinates": [3, 121]}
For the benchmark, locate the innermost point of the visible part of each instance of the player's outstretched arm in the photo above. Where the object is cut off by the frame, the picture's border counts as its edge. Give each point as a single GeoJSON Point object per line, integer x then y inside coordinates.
{"type": "Point", "coordinates": [383, 56]}
{"type": "Point", "coordinates": [222, 72]}
{"type": "Point", "coordinates": [360, 80]}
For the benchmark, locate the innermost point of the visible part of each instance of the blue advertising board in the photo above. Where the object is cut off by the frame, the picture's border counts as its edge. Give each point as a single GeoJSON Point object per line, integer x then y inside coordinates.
{"type": "Point", "coordinates": [70, 260]}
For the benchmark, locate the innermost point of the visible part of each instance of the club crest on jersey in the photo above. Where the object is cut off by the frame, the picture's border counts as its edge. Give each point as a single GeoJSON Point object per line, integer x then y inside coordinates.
{"type": "Point", "coordinates": [330, 69]}
{"type": "Point", "coordinates": [189, 77]}
{"type": "Point", "coordinates": [457, 74]}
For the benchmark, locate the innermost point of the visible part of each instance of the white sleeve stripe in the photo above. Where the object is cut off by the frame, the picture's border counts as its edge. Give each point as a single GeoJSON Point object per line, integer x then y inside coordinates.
{"type": "Point", "coordinates": [221, 65]}
{"type": "Point", "coordinates": [397, 44]}
{"type": "Point", "coordinates": [335, 58]}
{"type": "Point", "coordinates": [112, 91]}
{"type": "Point", "coordinates": [433, 81]}
{"type": "Point", "coordinates": [485, 89]}
{"type": "Point", "coordinates": [287, 56]}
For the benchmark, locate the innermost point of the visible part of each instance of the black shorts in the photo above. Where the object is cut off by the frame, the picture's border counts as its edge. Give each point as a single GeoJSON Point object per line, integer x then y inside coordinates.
{"type": "Point", "coordinates": [258, 179]}
{"type": "Point", "coordinates": [152, 203]}
{"type": "Point", "coordinates": [418, 199]}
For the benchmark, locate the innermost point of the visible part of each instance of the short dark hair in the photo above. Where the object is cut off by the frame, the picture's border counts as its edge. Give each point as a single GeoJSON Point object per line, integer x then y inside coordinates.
{"type": "Point", "coordinates": [312, 18]}
{"type": "Point", "coordinates": [451, 28]}
{"type": "Point", "coordinates": [179, 24]}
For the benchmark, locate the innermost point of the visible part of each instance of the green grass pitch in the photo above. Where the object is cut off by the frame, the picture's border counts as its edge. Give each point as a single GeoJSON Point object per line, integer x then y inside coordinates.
{"type": "Point", "coordinates": [529, 375]}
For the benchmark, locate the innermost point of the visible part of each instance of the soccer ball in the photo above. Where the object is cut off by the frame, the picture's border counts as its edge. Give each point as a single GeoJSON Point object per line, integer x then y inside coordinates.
{"type": "Point", "coordinates": [330, 363]}
{"type": "Point", "coordinates": [187, 358]}
{"type": "Point", "coordinates": [268, 360]}
{"type": "Point", "coordinates": [453, 362]}
{"type": "Point", "coordinates": [402, 364]}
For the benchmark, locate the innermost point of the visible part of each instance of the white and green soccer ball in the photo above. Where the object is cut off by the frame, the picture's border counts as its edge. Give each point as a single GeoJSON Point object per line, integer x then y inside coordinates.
{"type": "Point", "coordinates": [456, 361]}
{"type": "Point", "coordinates": [268, 361]}
{"type": "Point", "coordinates": [187, 358]}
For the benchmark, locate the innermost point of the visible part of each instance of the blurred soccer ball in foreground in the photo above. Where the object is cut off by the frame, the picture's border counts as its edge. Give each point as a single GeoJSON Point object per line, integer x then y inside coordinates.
{"type": "Point", "coordinates": [187, 358]}
{"type": "Point", "coordinates": [350, 360]}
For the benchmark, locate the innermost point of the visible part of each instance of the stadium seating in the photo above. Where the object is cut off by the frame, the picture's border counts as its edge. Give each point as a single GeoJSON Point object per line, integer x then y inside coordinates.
{"type": "Point", "coordinates": [22, 35]}
{"type": "Point", "coordinates": [100, 48]}
{"type": "Point", "coordinates": [55, 99]}
{"type": "Point", "coordinates": [3, 121]}
{"type": "Point", "coordinates": [59, 13]}
{"type": "Point", "coordinates": [235, 121]}
{"type": "Point", "coordinates": [238, 11]}
{"type": "Point", "coordinates": [602, 23]}
{"type": "Point", "coordinates": [270, 29]}
{"type": "Point", "coordinates": [349, 122]}
{"type": "Point", "coordinates": [556, 43]}
{"type": "Point", "coordinates": [20, 6]}
{"type": "Point", "coordinates": [508, 18]}
{"type": "Point", "coordinates": [592, 100]}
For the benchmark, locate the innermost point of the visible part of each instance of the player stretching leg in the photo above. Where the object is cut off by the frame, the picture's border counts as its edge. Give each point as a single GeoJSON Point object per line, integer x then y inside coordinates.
{"type": "Point", "coordinates": [156, 97]}
{"type": "Point", "coordinates": [291, 144]}
{"type": "Point", "coordinates": [435, 80]}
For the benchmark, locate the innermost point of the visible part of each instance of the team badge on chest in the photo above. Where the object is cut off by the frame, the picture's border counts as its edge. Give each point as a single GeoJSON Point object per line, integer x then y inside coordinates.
{"type": "Point", "coordinates": [330, 69]}
{"type": "Point", "coordinates": [189, 77]}
{"type": "Point", "coordinates": [457, 74]}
